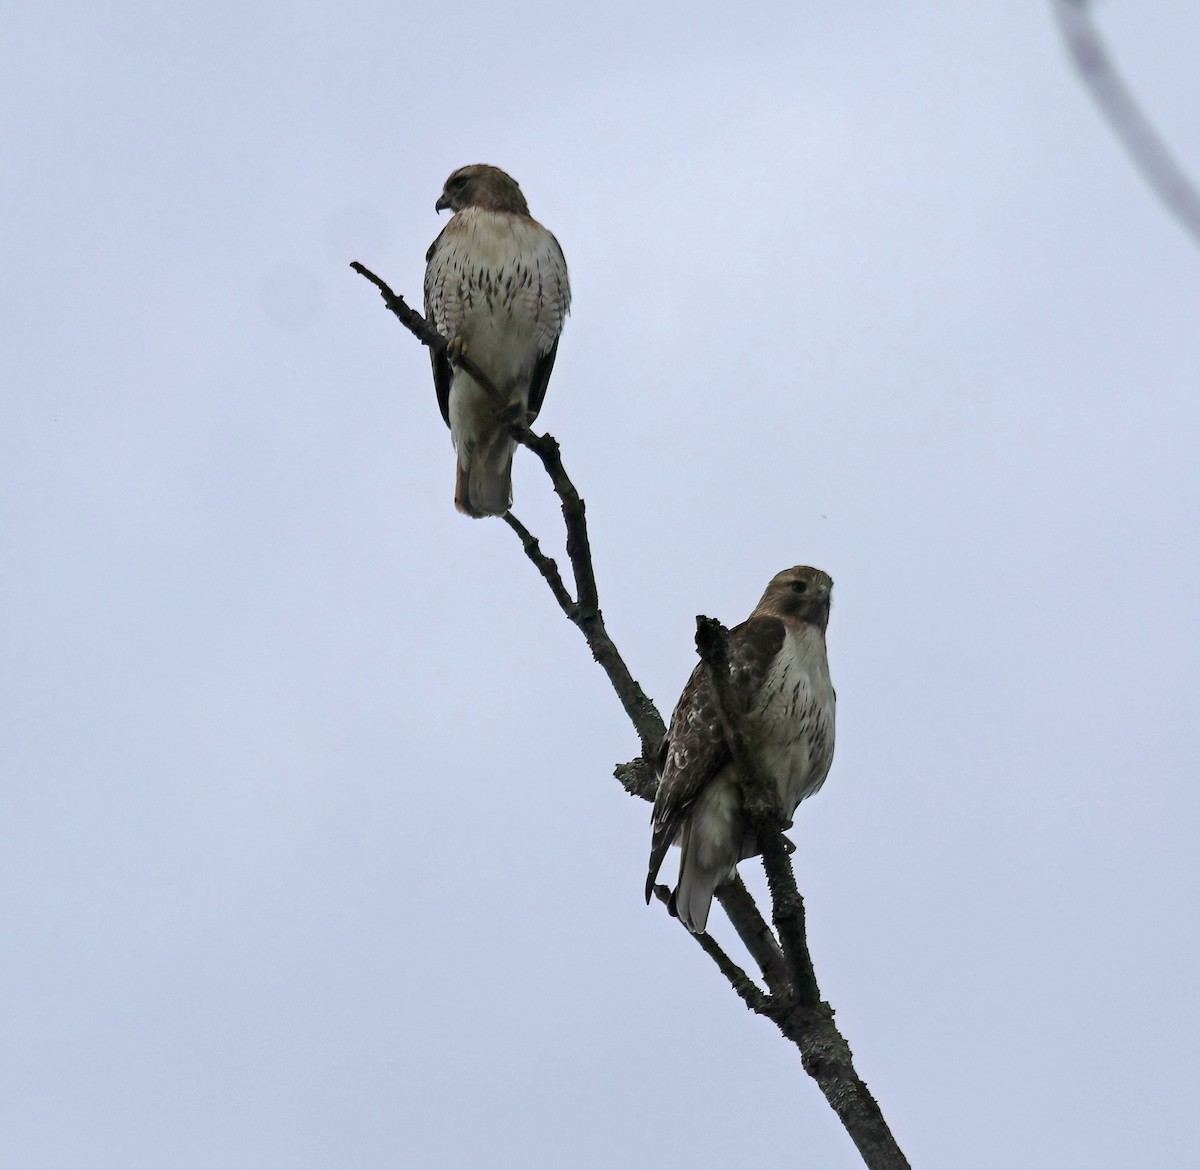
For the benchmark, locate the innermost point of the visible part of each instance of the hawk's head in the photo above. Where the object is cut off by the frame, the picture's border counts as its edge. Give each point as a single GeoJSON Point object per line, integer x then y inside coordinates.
{"type": "Point", "coordinates": [483, 186]}
{"type": "Point", "coordinates": [801, 592]}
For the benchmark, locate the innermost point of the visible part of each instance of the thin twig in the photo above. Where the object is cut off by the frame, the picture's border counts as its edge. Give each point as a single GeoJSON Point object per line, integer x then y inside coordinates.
{"type": "Point", "coordinates": [751, 994]}
{"type": "Point", "coordinates": [1145, 145]}
{"type": "Point", "coordinates": [426, 334]}
{"type": "Point", "coordinates": [586, 614]}
{"type": "Point", "coordinates": [546, 565]}
{"type": "Point", "coordinates": [574, 511]}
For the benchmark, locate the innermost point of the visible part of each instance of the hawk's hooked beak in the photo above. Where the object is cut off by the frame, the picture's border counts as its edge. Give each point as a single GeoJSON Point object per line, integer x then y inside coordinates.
{"type": "Point", "coordinates": [443, 203]}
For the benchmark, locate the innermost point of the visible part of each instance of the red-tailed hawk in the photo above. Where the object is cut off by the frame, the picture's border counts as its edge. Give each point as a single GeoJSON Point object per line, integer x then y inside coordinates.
{"type": "Point", "coordinates": [779, 672]}
{"type": "Point", "coordinates": [496, 287]}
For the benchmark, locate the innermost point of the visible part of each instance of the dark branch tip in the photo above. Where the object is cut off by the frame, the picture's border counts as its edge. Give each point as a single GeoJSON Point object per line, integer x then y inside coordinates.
{"type": "Point", "coordinates": [712, 641]}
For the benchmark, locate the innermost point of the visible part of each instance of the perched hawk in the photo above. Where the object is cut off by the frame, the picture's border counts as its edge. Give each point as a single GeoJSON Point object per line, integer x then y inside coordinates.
{"type": "Point", "coordinates": [779, 671]}
{"type": "Point", "coordinates": [496, 287]}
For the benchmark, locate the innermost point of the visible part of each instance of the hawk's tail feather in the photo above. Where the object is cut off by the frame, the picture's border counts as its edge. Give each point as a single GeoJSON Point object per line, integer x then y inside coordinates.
{"type": "Point", "coordinates": [462, 496]}
{"type": "Point", "coordinates": [483, 485]}
{"type": "Point", "coordinates": [705, 862]}
{"type": "Point", "coordinates": [692, 899]}
{"type": "Point", "coordinates": [660, 842]}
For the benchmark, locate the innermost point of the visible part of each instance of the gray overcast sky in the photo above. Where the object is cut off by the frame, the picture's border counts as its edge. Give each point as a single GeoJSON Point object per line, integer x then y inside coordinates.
{"type": "Point", "coordinates": [310, 853]}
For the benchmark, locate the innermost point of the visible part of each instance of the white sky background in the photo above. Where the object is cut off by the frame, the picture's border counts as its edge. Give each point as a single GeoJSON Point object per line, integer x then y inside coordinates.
{"type": "Point", "coordinates": [310, 854]}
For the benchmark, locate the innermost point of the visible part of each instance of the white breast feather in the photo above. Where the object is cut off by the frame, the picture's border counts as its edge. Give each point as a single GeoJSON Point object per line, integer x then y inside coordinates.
{"type": "Point", "coordinates": [794, 722]}
{"type": "Point", "coordinates": [499, 282]}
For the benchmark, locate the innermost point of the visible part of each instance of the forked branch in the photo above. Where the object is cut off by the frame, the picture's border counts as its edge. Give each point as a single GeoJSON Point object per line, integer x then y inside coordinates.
{"type": "Point", "coordinates": [792, 1000]}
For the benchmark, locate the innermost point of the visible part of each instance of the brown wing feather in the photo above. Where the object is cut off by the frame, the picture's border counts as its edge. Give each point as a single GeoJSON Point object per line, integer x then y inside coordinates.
{"type": "Point", "coordinates": [541, 378]}
{"type": "Point", "coordinates": [443, 374]}
{"type": "Point", "coordinates": [435, 275]}
{"type": "Point", "coordinates": [695, 749]}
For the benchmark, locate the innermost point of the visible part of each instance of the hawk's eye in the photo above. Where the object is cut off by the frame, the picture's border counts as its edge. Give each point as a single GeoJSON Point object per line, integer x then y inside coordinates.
{"type": "Point", "coordinates": [799, 586]}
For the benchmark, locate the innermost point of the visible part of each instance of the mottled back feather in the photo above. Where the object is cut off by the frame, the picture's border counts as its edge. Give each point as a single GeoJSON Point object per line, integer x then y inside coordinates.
{"type": "Point", "coordinates": [695, 749]}
{"type": "Point", "coordinates": [784, 699]}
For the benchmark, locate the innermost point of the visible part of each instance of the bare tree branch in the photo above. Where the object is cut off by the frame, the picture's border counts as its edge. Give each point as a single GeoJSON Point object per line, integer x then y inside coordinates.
{"type": "Point", "coordinates": [546, 565]}
{"type": "Point", "coordinates": [793, 1002]}
{"type": "Point", "coordinates": [1146, 147]}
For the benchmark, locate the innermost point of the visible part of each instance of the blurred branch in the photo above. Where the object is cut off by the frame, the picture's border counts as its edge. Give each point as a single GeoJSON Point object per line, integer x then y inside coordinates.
{"type": "Point", "coordinates": [792, 1000]}
{"type": "Point", "coordinates": [1146, 147]}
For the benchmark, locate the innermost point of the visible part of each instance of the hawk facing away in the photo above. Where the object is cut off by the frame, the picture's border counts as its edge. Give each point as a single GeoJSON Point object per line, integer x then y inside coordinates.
{"type": "Point", "coordinates": [496, 288]}
{"type": "Point", "coordinates": [780, 674]}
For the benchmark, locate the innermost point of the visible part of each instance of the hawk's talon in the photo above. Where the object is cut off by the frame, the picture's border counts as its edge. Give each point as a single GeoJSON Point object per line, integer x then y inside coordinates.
{"type": "Point", "coordinates": [455, 348]}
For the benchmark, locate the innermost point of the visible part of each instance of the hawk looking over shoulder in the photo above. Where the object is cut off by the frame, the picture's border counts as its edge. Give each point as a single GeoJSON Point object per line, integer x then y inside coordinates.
{"type": "Point", "coordinates": [496, 287]}
{"type": "Point", "coordinates": [779, 671]}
